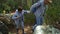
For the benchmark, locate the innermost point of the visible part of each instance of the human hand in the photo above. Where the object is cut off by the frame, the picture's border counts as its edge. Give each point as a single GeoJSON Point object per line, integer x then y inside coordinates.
{"type": "Point", "coordinates": [28, 11]}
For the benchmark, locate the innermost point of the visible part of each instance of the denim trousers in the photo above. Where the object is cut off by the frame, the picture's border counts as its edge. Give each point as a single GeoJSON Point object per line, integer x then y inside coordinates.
{"type": "Point", "coordinates": [18, 25]}
{"type": "Point", "coordinates": [39, 21]}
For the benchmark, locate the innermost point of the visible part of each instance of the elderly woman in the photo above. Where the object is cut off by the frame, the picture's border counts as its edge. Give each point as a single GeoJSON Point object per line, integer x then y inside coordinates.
{"type": "Point", "coordinates": [39, 9]}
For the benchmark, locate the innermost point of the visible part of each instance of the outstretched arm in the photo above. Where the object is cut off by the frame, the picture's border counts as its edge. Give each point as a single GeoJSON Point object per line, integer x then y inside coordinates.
{"type": "Point", "coordinates": [26, 11]}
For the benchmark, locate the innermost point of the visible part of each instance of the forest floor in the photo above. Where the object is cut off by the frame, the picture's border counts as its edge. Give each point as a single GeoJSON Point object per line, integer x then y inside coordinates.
{"type": "Point", "coordinates": [27, 29]}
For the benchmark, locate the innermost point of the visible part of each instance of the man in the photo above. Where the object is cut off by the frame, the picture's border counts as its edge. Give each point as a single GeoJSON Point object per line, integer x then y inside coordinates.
{"type": "Point", "coordinates": [18, 17]}
{"type": "Point", "coordinates": [39, 9]}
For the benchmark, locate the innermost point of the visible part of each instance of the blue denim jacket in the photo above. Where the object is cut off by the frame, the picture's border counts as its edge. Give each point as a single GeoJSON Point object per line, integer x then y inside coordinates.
{"type": "Point", "coordinates": [17, 21]}
{"type": "Point", "coordinates": [38, 8]}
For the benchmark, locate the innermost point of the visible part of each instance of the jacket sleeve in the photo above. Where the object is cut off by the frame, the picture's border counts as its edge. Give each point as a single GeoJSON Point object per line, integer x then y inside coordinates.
{"type": "Point", "coordinates": [35, 6]}
{"type": "Point", "coordinates": [14, 17]}
{"type": "Point", "coordinates": [26, 11]}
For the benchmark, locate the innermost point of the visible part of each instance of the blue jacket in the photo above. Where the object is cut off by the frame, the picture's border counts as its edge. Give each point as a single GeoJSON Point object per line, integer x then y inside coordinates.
{"type": "Point", "coordinates": [21, 15]}
{"type": "Point", "coordinates": [38, 8]}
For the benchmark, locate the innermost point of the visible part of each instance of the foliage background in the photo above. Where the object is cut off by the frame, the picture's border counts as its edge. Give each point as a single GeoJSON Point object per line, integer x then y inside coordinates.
{"type": "Point", "coordinates": [52, 14]}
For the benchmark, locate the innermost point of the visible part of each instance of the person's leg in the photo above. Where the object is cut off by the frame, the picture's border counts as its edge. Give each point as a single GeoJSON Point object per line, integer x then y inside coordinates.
{"type": "Point", "coordinates": [22, 25]}
{"type": "Point", "coordinates": [39, 20]}
{"type": "Point", "coordinates": [17, 27]}
{"type": "Point", "coordinates": [33, 28]}
{"type": "Point", "coordinates": [34, 25]}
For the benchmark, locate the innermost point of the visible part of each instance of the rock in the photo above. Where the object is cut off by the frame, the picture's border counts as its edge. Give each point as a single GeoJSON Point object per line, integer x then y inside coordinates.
{"type": "Point", "coordinates": [41, 29]}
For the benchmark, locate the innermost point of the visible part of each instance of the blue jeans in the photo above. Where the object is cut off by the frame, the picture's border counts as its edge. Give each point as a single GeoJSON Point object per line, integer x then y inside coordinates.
{"type": "Point", "coordinates": [18, 25]}
{"type": "Point", "coordinates": [39, 21]}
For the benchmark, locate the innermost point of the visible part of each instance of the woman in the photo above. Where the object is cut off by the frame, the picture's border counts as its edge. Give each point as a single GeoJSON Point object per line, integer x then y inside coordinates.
{"type": "Point", "coordinates": [39, 9]}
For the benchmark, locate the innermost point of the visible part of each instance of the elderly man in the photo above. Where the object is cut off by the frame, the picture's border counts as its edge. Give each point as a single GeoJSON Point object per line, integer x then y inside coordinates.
{"type": "Point", "coordinates": [39, 9]}
{"type": "Point", "coordinates": [18, 17]}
